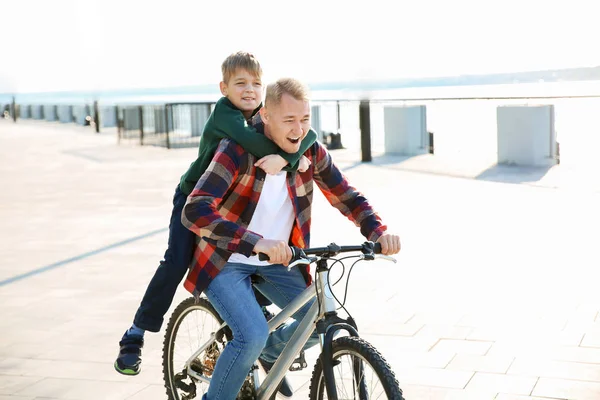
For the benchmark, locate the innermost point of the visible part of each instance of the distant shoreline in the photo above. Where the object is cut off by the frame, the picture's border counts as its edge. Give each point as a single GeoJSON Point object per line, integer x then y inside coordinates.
{"type": "Point", "coordinates": [371, 88]}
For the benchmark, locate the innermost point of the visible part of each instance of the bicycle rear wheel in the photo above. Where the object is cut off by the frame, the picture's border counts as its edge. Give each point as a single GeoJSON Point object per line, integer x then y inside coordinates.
{"type": "Point", "coordinates": [360, 371]}
{"type": "Point", "coordinates": [189, 327]}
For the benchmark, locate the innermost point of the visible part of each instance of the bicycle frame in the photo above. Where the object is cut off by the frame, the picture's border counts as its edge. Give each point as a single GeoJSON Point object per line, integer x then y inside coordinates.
{"type": "Point", "coordinates": [305, 329]}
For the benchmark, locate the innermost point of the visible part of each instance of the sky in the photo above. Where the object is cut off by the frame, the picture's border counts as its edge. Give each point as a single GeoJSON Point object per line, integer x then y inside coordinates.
{"type": "Point", "coordinates": [56, 45]}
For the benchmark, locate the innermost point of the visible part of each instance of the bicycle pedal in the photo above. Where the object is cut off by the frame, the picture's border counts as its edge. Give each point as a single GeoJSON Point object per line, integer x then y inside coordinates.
{"type": "Point", "coordinates": [299, 363]}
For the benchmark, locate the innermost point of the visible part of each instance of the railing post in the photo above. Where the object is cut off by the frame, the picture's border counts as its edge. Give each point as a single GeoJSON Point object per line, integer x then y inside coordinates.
{"type": "Point", "coordinates": [338, 119]}
{"type": "Point", "coordinates": [141, 112]}
{"type": "Point", "coordinates": [96, 116]}
{"type": "Point", "coordinates": [118, 124]}
{"type": "Point", "coordinates": [167, 125]}
{"type": "Point", "coordinates": [14, 109]}
{"type": "Point", "coordinates": [364, 115]}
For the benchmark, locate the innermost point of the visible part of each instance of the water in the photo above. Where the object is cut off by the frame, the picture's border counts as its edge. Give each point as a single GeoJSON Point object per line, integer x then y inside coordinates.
{"type": "Point", "coordinates": [322, 92]}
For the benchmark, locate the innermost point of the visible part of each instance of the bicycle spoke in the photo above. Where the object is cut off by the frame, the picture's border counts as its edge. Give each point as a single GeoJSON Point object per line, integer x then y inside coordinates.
{"type": "Point", "coordinates": [348, 383]}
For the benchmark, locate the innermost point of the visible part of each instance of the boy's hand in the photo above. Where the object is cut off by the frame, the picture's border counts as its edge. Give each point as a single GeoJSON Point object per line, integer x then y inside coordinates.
{"type": "Point", "coordinates": [304, 164]}
{"type": "Point", "coordinates": [271, 164]}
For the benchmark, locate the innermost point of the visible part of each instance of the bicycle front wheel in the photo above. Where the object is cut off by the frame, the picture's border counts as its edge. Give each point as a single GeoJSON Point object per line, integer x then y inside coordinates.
{"type": "Point", "coordinates": [360, 371]}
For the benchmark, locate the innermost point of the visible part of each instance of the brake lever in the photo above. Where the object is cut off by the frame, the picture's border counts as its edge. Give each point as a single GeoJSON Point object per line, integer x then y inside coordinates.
{"type": "Point", "coordinates": [387, 258]}
{"type": "Point", "coordinates": [371, 257]}
{"type": "Point", "coordinates": [303, 261]}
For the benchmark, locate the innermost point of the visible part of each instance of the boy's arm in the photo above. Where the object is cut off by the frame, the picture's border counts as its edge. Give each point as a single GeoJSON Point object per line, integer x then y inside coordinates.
{"type": "Point", "coordinates": [200, 213]}
{"type": "Point", "coordinates": [230, 123]}
{"type": "Point", "coordinates": [344, 197]}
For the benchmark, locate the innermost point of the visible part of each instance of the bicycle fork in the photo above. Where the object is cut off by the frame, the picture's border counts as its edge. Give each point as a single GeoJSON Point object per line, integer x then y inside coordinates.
{"type": "Point", "coordinates": [327, 328]}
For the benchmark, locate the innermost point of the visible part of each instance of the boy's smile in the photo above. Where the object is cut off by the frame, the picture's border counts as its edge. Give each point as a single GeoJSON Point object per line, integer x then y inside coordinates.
{"type": "Point", "coordinates": [244, 90]}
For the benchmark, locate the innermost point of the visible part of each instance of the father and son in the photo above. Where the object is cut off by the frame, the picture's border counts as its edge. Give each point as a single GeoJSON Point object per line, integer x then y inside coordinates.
{"type": "Point", "coordinates": [249, 191]}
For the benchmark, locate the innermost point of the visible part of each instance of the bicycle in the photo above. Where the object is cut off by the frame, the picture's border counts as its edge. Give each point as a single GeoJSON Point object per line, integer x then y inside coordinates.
{"type": "Point", "coordinates": [325, 382]}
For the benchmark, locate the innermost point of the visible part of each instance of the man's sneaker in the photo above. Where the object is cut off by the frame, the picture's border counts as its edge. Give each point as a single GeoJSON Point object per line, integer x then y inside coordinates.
{"type": "Point", "coordinates": [285, 389]}
{"type": "Point", "coordinates": [130, 355]}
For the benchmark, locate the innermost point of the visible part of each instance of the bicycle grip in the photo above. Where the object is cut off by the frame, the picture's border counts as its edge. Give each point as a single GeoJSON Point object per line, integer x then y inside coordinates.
{"type": "Point", "coordinates": [296, 254]}
{"type": "Point", "coordinates": [377, 248]}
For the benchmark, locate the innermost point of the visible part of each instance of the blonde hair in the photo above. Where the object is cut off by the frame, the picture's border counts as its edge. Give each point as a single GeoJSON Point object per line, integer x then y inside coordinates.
{"type": "Point", "coordinates": [241, 59]}
{"type": "Point", "coordinates": [291, 86]}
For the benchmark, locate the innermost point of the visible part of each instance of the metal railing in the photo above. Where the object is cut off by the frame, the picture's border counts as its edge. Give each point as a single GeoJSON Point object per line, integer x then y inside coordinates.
{"type": "Point", "coordinates": [171, 125]}
{"type": "Point", "coordinates": [450, 121]}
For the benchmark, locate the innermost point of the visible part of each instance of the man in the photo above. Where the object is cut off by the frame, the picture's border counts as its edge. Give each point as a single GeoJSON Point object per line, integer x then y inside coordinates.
{"type": "Point", "coordinates": [237, 211]}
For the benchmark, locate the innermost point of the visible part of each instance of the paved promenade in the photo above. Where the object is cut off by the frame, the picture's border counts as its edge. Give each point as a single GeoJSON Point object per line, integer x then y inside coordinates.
{"type": "Point", "coordinates": [495, 295]}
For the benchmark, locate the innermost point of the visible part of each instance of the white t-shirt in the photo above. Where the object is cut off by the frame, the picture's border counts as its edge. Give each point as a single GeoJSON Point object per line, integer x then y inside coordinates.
{"type": "Point", "coordinates": [273, 217]}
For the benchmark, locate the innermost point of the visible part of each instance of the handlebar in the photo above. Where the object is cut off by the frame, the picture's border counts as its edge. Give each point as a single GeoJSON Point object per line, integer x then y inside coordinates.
{"type": "Point", "coordinates": [369, 249]}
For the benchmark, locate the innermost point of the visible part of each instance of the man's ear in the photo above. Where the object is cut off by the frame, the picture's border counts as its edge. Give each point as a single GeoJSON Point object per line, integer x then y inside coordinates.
{"type": "Point", "coordinates": [264, 115]}
{"type": "Point", "coordinates": [223, 87]}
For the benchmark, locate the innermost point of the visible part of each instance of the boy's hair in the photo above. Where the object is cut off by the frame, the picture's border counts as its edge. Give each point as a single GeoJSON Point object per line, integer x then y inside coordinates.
{"type": "Point", "coordinates": [291, 86]}
{"type": "Point", "coordinates": [241, 59]}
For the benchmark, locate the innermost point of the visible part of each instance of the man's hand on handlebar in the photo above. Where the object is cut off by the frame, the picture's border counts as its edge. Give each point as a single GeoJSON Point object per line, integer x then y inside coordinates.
{"type": "Point", "coordinates": [390, 244]}
{"type": "Point", "coordinates": [279, 252]}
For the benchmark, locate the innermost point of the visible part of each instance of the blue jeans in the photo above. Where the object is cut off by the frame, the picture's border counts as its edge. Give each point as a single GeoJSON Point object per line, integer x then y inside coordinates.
{"type": "Point", "coordinates": [230, 292]}
{"type": "Point", "coordinates": [172, 269]}
{"type": "Point", "coordinates": [161, 290]}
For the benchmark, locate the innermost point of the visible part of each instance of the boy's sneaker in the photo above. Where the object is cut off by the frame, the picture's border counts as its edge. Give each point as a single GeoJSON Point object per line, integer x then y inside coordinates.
{"type": "Point", "coordinates": [130, 355]}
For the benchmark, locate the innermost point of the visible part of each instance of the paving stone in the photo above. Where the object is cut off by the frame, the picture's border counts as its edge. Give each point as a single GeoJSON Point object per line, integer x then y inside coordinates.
{"type": "Point", "coordinates": [567, 389]}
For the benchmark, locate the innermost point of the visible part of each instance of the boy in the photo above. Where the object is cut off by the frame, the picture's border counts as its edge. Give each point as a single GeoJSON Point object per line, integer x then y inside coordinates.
{"type": "Point", "coordinates": [242, 91]}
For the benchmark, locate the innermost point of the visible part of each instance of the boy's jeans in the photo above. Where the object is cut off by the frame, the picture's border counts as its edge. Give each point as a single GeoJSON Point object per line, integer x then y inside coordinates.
{"type": "Point", "coordinates": [161, 290]}
{"type": "Point", "coordinates": [230, 292]}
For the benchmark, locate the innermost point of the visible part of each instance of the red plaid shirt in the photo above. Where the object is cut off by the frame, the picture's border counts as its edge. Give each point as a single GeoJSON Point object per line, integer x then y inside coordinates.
{"type": "Point", "coordinates": [220, 207]}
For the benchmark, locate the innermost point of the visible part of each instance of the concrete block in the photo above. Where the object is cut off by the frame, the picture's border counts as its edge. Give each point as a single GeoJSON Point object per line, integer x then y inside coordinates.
{"type": "Point", "coordinates": [526, 135]}
{"type": "Point", "coordinates": [405, 130]}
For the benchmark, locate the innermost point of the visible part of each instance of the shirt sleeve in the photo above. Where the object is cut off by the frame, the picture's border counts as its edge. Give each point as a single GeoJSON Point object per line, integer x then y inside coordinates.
{"type": "Point", "coordinates": [200, 214]}
{"type": "Point", "coordinates": [340, 194]}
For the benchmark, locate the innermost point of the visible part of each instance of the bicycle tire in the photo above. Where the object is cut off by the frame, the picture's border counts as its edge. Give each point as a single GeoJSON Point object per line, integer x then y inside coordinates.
{"type": "Point", "coordinates": [177, 317]}
{"type": "Point", "coordinates": [356, 347]}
